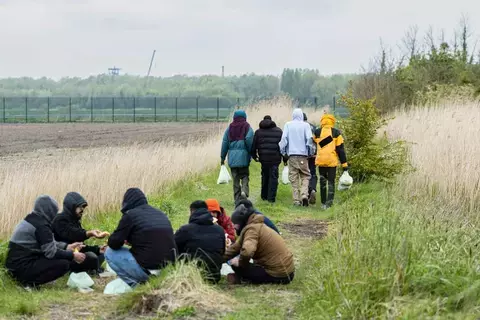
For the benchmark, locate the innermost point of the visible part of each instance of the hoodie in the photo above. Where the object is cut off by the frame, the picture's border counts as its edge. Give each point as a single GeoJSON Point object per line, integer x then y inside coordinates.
{"type": "Point", "coordinates": [238, 151]}
{"type": "Point", "coordinates": [33, 238]}
{"type": "Point", "coordinates": [146, 229]}
{"type": "Point", "coordinates": [297, 137]}
{"type": "Point", "coordinates": [265, 143]}
{"type": "Point", "coordinates": [203, 240]}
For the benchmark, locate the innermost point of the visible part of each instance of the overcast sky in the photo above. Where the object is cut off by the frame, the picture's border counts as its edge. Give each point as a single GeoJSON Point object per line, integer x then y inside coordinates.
{"type": "Point", "coordinates": [56, 38]}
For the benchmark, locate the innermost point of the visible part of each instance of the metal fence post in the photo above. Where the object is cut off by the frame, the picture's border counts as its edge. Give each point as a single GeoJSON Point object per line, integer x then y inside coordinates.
{"type": "Point", "coordinates": [155, 109]}
{"type": "Point", "coordinates": [4, 110]}
{"type": "Point", "coordinates": [176, 109]}
{"type": "Point", "coordinates": [113, 109]}
{"type": "Point", "coordinates": [91, 109]}
{"type": "Point", "coordinates": [26, 109]}
{"type": "Point", "coordinates": [315, 101]}
{"type": "Point", "coordinates": [48, 109]}
{"type": "Point", "coordinates": [70, 110]}
{"type": "Point", "coordinates": [134, 107]}
{"type": "Point", "coordinates": [218, 108]}
{"type": "Point", "coordinates": [197, 108]}
{"type": "Point", "coordinates": [334, 103]}
{"type": "Point", "coordinates": [238, 102]}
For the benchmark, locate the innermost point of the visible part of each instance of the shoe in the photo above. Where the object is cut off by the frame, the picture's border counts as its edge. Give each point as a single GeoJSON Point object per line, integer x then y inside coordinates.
{"type": "Point", "coordinates": [243, 196]}
{"type": "Point", "coordinates": [297, 204]}
{"type": "Point", "coordinates": [313, 197]}
{"type": "Point", "coordinates": [324, 207]}
{"type": "Point", "coordinates": [232, 279]}
{"type": "Point", "coordinates": [305, 202]}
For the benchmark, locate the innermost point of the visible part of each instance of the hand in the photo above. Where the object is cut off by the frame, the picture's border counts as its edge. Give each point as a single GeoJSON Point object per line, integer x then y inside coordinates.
{"type": "Point", "coordinates": [228, 242]}
{"type": "Point", "coordinates": [103, 234]}
{"type": "Point", "coordinates": [93, 233]}
{"type": "Point", "coordinates": [103, 249]}
{"type": "Point", "coordinates": [345, 169]}
{"type": "Point", "coordinates": [255, 159]}
{"type": "Point", "coordinates": [76, 245]}
{"type": "Point", "coordinates": [79, 257]}
{"type": "Point", "coordinates": [235, 262]}
{"type": "Point", "coordinates": [285, 159]}
{"type": "Point", "coordinates": [222, 163]}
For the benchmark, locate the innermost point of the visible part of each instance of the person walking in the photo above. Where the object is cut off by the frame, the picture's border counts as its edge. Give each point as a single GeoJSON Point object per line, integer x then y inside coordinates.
{"type": "Point", "coordinates": [296, 146]}
{"type": "Point", "coordinates": [237, 145]}
{"type": "Point", "coordinates": [266, 150]}
{"type": "Point", "coordinates": [312, 186]}
{"type": "Point", "coordinates": [330, 149]}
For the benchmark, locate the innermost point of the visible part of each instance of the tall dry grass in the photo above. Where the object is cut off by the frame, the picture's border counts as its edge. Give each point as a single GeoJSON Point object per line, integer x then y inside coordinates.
{"type": "Point", "coordinates": [103, 174]}
{"type": "Point", "coordinates": [445, 151]}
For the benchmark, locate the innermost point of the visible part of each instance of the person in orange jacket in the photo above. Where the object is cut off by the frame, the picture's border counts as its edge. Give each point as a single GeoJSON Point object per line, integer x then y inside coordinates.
{"type": "Point", "coordinates": [330, 153]}
{"type": "Point", "coordinates": [223, 219]}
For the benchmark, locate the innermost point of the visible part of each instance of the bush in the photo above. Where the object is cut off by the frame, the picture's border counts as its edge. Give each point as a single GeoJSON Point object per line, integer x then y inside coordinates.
{"type": "Point", "coordinates": [370, 156]}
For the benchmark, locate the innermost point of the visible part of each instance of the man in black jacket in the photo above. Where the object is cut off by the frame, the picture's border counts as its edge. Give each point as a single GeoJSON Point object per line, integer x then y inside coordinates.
{"type": "Point", "coordinates": [312, 186]}
{"type": "Point", "coordinates": [34, 257]}
{"type": "Point", "coordinates": [149, 233]}
{"type": "Point", "coordinates": [67, 228]}
{"type": "Point", "coordinates": [203, 240]}
{"type": "Point", "coordinates": [266, 150]}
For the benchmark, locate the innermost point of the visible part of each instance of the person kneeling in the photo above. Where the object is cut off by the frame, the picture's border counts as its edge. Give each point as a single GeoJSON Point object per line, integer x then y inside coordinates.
{"type": "Point", "coordinates": [202, 240]}
{"type": "Point", "coordinates": [34, 257]}
{"type": "Point", "coordinates": [273, 262]}
{"type": "Point", "coordinates": [150, 235]}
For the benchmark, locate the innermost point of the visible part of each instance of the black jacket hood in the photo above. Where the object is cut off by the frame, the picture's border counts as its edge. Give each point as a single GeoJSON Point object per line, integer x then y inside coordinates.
{"type": "Point", "coordinates": [46, 207]}
{"type": "Point", "coordinates": [267, 124]}
{"type": "Point", "coordinates": [72, 201]}
{"type": "Point", "coordinates": [133, 198]}
{"type": "Point", "coordinates": [201, 216]}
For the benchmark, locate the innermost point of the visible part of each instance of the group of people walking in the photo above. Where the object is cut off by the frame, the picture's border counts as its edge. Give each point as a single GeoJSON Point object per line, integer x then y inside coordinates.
{"type": "Point", "coordinates": [301, 146]}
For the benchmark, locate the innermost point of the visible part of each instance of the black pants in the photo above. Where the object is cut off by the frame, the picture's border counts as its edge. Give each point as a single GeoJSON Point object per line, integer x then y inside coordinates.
{"type": "Point", "coordinates": [327, 176]}
{"type": "Point", "coordinates": [241, 179]}
{"type": "Point", "coordinates": [256, 274]}
{"type": "Point", "coordinates": [312, 186]}
{"type": "Point", "coordinates": [269, 182]}
{"type": "Point", "coordinates": [92, 263]}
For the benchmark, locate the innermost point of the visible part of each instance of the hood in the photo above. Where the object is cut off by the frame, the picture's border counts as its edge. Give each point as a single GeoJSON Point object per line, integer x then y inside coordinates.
{"type": "Point", "coordinates": [297, 115]}
{"type": "Point", "coordinates": [213, 205]}
{"type": "Point", "coordinates": [201, 216]}
{"type": "Point", "coordinates": [133, 198]}
{"type": "Point", "coordinates": [72, 201]}
{"type": "Point", "coordinates": [240, 114]}
{"type": "Point", "coordinates": [46, 207]}
{"type": "Point", "coordinates": [267, 124]}
{"type": "Point", "coordinates": [241, 215]}
{"type": "Point", "coordinates": [328, 120]}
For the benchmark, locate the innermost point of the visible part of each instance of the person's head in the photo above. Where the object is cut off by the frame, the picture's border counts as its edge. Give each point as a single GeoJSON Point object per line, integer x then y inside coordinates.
{"type": "Point", "coordinates": [327, 120]}
{"type": "Point", "coordinates": [267, 118]}
{"type": "Point", "coordinates": [247, 203]}
{"type": "Point", "coordinates": [240, 217]}
{"type": "Point", "coordinates": [197, 205]}
{"type": "Point", "coordinates": [214, 207]}
{"type": "Point", "coordinates": [46, 207]}
{"type": "Point", "coordinates": [74, 204]}
{"type": "Point", "coordinates": [297, 114]}
{"type": "Point", "coordinates": [239, 114]}
{"type": "Point", "coordinates": [134, 197]}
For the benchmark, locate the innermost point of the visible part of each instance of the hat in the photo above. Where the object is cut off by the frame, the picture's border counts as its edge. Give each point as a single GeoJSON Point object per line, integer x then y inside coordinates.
{"type": "Point", "coordinates": [240, 114]}
{"type": "Point", "coordinates": [267, 118]}
{"type": "Point", "coordinates": [213, 205]}
{"type": "Point", "coordinates": [240, 216]}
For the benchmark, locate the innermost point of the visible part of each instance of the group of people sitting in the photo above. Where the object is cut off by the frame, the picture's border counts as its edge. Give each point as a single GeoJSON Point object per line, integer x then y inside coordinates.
{"type": "Point", "coordinates": [47, 245]}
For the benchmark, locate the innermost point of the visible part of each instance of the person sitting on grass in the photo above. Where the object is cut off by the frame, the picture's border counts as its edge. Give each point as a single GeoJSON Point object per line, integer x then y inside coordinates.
{"type": "Point", "coordinates": [273, 262]}
{"type": "Point", "coordinates": [222, 219]}
{"type": "Point", "coordinates": [249, 205]}
{"type": "Point", "coordinates": [202, 240]}
{"type": "Point", "coordinates": [67, 227]}
{"type": "Point", "coordinates": [34, 257]}
{"type": "Point", "coordinates": [149, 233]}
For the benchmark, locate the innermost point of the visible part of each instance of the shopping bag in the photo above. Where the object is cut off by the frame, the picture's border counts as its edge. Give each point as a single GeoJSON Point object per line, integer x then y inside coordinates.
{"type": "Point", "coordinates": [117, 286]}
{"type": "Point", "coordinates": [345, 181]}
{"type": "Point", "coordinates": [224, 176]}
{"type": "Point", "coordinates": [285, 179]}
{"type": "Point", "coordinates": [79, 280]}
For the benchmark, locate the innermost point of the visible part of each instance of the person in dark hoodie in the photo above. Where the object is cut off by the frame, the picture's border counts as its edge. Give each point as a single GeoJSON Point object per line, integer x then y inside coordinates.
{"type": "Point", "coordinates": [249, 205]}
{"type": "Point", "coordinates": [34, 257]}
{"type": "Point", "coordinates": [149, 233]}
{"type": "Point", "coordinates": [67, 228]}
{"type": "Point", "coordinates": [203, 240]}
{"type": "Point", "coordinates": [266, 150]}
{"type": "Point", "coordinates": [312, 186]}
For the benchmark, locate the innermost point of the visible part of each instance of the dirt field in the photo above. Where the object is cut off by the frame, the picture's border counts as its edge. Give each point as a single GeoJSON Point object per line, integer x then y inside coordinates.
{"type": "Point", "coordinates": [23, 138]}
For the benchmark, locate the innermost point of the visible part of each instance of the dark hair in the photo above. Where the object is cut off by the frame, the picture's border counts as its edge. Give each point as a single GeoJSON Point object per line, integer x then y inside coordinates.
{"type": "Point", "coordinates": [247, 203]}
{"type": "Point", "coordinates": [199, 204]}
{"type": "Point", "coordinates": [305, 117]}
{"type": "Point", "coordinates": [267, 118]}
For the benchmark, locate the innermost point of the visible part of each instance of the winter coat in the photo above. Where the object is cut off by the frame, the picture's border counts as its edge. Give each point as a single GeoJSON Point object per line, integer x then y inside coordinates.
{"type": "Point", "coordinates": [146, 229]}
{"type": "Point", "coordinates": [203, 240]}
{"type": "Point", "coordinates": [223, 220]}
{"type": "Point", "coordinates": [265, 143]}
{"type": "Point", "coordinates": [264, 246]}
{"type": "Point", "coordinates": [330, 144]}
{"type": "Point", "coordinates": [67, 225]}
{"type": "Point", "coordinates": [239, 152]}
{"type": "Point", "coordinates": [297, 137]}
{"type": "Point", "coordinates": [33, 239]}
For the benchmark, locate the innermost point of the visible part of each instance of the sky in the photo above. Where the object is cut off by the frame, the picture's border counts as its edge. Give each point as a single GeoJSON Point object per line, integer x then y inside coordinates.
{"type": "Point", "coordinates": [59, 38]}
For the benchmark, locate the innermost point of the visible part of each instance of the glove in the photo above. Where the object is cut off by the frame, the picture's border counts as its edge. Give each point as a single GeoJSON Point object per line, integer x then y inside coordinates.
{"type": "Point", "coordinates": [222, 163]}
{"type": "Point", "coordinates": [285, 159]}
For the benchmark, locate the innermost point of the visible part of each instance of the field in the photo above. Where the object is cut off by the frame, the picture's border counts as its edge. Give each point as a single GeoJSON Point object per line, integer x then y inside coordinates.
{"type": "Point", "coordinates": [402, 250]}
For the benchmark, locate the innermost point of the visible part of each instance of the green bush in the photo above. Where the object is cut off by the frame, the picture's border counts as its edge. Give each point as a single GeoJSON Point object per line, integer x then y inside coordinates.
{"type": "Point", "coordinates": [370, 156]}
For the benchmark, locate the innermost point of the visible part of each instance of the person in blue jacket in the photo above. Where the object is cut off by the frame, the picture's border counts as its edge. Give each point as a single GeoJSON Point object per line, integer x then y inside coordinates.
{"type": "Point", "coordinates": [237, 144]}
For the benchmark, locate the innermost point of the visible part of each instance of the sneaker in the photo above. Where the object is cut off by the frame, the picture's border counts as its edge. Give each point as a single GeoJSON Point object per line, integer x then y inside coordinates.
{"type": "Point", "coordinates": [324, 207]}
{"type": "Point", "coordinates": [313, 197]}
{"type": "Point", "coordinates": [305, 202]}
{"type": "Point", "coordinates": [232, 279]}
{"type": "Point", "coordinates": [297, 204]}
{"type": "Point", "coordinates": [243, 196]}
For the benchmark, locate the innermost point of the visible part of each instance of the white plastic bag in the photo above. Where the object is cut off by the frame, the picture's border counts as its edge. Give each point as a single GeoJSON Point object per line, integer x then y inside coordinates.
{"type": "Point", "coordinates": [345, 181]}
{"type": "Point", "coordinates": [285, 179]}
{"type": "Point", "coordinates": [117, 286]}
{"type": "Point", "coordinates": [226, 270]}
{"type": "Point", "coordinates": [224, 176]}
{"type": "Point", "coordinates": [79, 280]}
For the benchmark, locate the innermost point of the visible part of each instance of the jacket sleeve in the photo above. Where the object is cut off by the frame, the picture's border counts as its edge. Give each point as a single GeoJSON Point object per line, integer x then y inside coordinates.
{"type": "Point", "coordinates": [270, 224]}
{"type": "Point", "coordinates": [181, 237]}
{"type": "Point", "coordinates": [249, 140]}
{"type": "Point", "coordinates": [232, 251]}
{"type": "Point", "coordinates": [254, 146]}
{"type": "Point", "coordinates": [284, 141]}
{"type": "Point", "coordinates": [340, 149]}
{"type": "Point", "coordinates": [49, 246]}
{"type": "Point", "coordinates": [225, 145]}
{"type": "Point", "coordinates": [118, 237]}
{"type": "Point", "coordinates": [249, 245]}
{"type": "Point", "coordinates": [66, 230]}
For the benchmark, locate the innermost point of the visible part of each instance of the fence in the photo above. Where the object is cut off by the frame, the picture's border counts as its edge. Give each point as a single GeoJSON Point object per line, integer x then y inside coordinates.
{"type": "Point", "coordinates": [126, 109]}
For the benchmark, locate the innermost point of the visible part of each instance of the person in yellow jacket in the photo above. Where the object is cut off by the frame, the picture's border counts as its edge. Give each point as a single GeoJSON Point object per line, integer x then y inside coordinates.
{"type": "Point", "coordinates": [330, 153]}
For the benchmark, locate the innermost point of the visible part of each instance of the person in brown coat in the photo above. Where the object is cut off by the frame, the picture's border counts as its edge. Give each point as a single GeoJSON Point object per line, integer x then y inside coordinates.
{"type": "Point", "coordinates": [273, 262]}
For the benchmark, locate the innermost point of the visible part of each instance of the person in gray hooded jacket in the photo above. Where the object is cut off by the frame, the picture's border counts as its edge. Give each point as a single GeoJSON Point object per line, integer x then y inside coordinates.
{"type": "Point", "coordinates": [34, 257]}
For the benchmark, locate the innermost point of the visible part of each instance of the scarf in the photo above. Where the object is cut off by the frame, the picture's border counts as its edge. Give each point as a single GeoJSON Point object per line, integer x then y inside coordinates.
{"type": "Point", "coordinates": [238, 129]}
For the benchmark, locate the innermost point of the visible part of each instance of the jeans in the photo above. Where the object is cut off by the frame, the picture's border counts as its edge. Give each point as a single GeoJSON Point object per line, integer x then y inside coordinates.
{"type": "Point", "coordinates": [327, 176]}
{"type": "Point", "coordinates": [312, 186]}
{"type": "Point", "coordinates": [127, 268]}
{"type": "Point", "coordinates": [299, 176]}
{"type": "Point", "coordinates": [269, 182]}
{"type": "Point", "coordinates": [240, 175]}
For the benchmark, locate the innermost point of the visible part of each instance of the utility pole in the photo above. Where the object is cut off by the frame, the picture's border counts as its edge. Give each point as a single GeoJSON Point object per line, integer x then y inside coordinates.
{"type": "Point", "coordinates": [223, 71]}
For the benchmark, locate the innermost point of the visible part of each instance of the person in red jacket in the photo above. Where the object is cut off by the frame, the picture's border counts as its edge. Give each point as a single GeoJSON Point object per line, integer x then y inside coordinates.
{"type": "Point", "coordinates": [222, 219]}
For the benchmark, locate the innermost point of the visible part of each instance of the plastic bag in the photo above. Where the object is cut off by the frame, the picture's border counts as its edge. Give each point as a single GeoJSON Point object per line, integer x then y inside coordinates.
{"type": "Point", "coordinates": [224, 176]}
{"type": "Point", "coordinates": [79, 280]}
{"type": "Point", "coordinates": [285, 179]}
{"type": "Point", "coordinates": [117, 286]}
{"type": "Point", "coordinates": [226, 270]}
{"type": "Point", "coordinates": [345, 181]}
